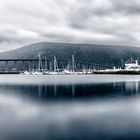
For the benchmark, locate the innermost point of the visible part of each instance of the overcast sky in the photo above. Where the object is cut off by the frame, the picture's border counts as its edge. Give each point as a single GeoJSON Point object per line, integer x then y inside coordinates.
{"type": "Point", "coordinates": [79, 21]}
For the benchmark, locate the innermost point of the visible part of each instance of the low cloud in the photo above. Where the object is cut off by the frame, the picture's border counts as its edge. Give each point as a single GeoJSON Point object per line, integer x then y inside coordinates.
{"type": "Point", "coordinates": [79, 21]}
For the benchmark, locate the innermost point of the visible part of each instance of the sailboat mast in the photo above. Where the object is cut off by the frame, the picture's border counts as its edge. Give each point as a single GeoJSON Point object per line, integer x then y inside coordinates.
{"type": "Point", "coordinates": [45, 63]}
{"type": "Point", "coordinates": [29, 66]}
{"type": "Point", "coordinates": [55, 64]}
{"type": "Point", "coordinates": [39, 64]}
{"type": "Point", "coordinates": [73, 64]}
{"type": "Point", "coordinates": [33, 67]}
{"type": "Point", "coordinates": [131, 60]}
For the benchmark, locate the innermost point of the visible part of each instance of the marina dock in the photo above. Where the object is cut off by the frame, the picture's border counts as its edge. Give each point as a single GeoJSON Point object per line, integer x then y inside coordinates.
{"type": "Point", "coordinates": [53, 66]}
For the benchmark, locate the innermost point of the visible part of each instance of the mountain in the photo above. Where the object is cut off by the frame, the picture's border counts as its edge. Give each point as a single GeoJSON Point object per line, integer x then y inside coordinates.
{"type": "Point", "coordinates": [99, 54]}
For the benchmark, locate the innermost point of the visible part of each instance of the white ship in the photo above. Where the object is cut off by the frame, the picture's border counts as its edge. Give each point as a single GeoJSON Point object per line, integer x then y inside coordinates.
{"type": "Point", "coordinates": [132, 65]}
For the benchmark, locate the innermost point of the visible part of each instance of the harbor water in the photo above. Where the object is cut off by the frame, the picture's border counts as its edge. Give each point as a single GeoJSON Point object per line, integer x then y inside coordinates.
{"type": "Point", "coordinates": [69, 107]}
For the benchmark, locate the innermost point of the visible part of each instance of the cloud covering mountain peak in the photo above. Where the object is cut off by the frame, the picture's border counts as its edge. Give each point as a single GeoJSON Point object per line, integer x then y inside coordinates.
{"type": "Point", "coordinates": [83, 21]}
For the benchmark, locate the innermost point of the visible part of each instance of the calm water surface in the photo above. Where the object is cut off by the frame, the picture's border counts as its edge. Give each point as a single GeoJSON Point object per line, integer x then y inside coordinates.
{"type": "Point", "coordinates": [95, 107]}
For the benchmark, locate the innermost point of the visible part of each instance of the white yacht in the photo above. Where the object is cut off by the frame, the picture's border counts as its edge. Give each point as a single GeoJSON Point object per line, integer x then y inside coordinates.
{"type": "Point", "coordinates": [36, 73]}
{"type": "Point", "coordinates": [70, 69]}
{"type": "Point", "coordinates": [67, 71]}
{"type": "Point", "coordinates": [26, 72]}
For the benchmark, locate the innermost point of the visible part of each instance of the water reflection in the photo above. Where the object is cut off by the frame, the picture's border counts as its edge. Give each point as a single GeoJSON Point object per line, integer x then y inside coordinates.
{"type": "Point", "coordinates": [70, 111]}
{"type": "Point", "coordinates": [75, 91]}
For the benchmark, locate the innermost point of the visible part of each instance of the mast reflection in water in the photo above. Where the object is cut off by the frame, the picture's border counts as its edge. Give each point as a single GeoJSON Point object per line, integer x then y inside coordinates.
{"type": "Point", "coordinates": [69, 110]}
{"type": "Point", "coordinates": [75, 91]}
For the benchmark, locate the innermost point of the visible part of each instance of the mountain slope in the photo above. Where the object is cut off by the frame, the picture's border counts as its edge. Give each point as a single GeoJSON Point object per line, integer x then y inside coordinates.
{"type": "Point", "coordinates": [100, 54]}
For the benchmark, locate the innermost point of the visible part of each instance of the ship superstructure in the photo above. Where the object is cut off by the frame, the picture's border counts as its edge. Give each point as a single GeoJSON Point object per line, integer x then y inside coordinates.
{"type": "Point", "coordinates": [132, 65]}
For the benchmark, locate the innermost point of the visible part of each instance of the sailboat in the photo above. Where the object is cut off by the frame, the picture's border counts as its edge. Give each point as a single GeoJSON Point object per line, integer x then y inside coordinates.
{"type": "Point", "coordinates": [71, 70]}
{"type": "Point", "coordinates": [40, 68]}
{"type": "Point", "coordinates": [45, 71]}
{"type": "Point", "coordinates": [27, 72]}
{"type": "Point", "coordinates": [55, 65]}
